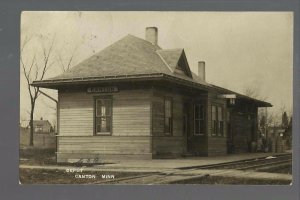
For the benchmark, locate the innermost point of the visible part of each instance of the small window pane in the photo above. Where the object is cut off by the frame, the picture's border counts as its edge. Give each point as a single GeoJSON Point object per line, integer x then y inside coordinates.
{"type": "Point", "coordinates": [98, 108]}
{"type": "Point", "coordinates": [167, 108]}
{"type": "Point", "coordinates": [228, 116]}
{"type": "Point", "coordinates": [220, 113]}
{"type": "Point", "coordinates": [168, 116]}
{"type": "Point", "coordinates": [201, 112]}
{"type": "Point", "coordinates": [167, 125]}
{"type": "Point", "coordinates": [202, 126]}
{"type": "Point", "coordinates": [197, 127]}
{"type": "Point", "coordinates": [108, 123]}
{"type": "Point", "coordinates": [213, 113]}
{"type": "Point", "coordinates": [107, 106]}
{"type": "Point", "coordinates": [103, 116]}
{"type": "Point", "coordinates": [197, 111]}
{"type": "Point", "coordinates": [199, 119]}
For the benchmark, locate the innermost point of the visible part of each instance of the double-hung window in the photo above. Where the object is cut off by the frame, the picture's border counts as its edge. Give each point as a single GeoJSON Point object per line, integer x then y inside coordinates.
{"type": "Point", "coordinates": [214, 120]}
{"type": "Point", "coordinates": [103, 116]}
{"type": "Point", "coordinates": [168, 116]}
{"type": "Point", "coordinates": [217, 120]}
{"type": "Point", "coordinates": [199, 116]}
{"type": "Point", "coordinates": [220, 122]}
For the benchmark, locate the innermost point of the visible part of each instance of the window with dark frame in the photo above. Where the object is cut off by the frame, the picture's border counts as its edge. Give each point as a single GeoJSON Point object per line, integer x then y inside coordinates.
{"type": "Point", "coordinates": [38, 128]}
{"type": "Point", "coordinates": [220, 122]}
{"type": "Point", "coordinates": [214, 120]}
{"type": "Point", "coordinates": [168, 116]}
{"type": "Point", "coordinates": [228, 123]}
{"type": "Point", "coordinates": [199, 117]}
{"type": "Point", "coordinates": [217, 120]}
{"type": "Point", "coordinates": [103, 116]}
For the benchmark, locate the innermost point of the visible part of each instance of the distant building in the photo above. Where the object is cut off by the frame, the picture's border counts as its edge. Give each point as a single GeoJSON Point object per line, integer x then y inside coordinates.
{"type": "Point", "coordinates": [42, 126]}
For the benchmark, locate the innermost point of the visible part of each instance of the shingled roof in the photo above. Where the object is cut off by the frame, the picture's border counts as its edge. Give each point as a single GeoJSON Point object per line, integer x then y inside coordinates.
{"type": "Point", "coordinates": [133, 57]}
{"type": "Point", "coordinates": [130, 55]}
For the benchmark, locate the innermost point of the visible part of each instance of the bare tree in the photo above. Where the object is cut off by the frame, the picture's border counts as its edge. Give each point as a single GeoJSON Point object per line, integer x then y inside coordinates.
{"type": "Point", "coordinates": [253, 92]}
{"type": "Point", "coordinates": [32, 72]}
{"type": "Point", "coordinates": [65, 66]}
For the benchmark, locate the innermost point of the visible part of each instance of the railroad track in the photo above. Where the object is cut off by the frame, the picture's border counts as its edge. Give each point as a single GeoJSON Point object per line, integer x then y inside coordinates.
{"type": "Point", "coordinates": [245, 164]}
{"type": "Point", "coordinates": [164, 177]}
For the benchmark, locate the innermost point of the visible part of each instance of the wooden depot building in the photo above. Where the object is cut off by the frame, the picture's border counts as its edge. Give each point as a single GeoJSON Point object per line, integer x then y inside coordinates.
{"type": "Point", "coordinates": [136, 100]}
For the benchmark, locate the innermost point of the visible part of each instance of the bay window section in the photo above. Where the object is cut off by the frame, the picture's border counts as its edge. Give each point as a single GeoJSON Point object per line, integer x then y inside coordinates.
{"type": "Point", "coordinates": [103, 116]}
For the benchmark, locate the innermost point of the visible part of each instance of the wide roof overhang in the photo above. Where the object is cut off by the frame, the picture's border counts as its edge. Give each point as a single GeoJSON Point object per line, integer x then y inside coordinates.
{"type": "Point", "coordinates": [81, 81]}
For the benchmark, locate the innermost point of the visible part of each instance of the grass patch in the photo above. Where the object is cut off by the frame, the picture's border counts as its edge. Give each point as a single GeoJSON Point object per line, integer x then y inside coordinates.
{"type": "Point", "coordinates": [36, 156]}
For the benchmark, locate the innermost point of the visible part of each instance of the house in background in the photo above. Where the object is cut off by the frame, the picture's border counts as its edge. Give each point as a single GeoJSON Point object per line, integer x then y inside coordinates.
{"type": "Point", "coordinates": [44, 135]}
{"type": "Point", "coordinates": [136, 100]}
{"type": "Point", "coordinates": [42, 126]}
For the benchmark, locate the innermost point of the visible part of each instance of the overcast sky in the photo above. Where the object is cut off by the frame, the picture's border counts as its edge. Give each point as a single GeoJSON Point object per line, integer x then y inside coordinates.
{"type": "Point", "coordinates": [241, 49]}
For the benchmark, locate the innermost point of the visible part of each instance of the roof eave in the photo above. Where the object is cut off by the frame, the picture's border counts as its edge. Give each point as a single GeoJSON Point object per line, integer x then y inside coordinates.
{"type": "Point", "coordinates": [56, 83]}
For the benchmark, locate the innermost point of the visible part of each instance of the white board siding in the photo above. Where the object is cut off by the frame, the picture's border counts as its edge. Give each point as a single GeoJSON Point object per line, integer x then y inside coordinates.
{"type": "Point", "coordinates": [130, 126]}
{"type": "Point", "coordinates": [131, 113]}
{"type": "Point", "coordinates": [131, 116]}
{"type": "Point", "coordinates": [104, 145]}
{"type": "Point", "coordinates": [163, 145]}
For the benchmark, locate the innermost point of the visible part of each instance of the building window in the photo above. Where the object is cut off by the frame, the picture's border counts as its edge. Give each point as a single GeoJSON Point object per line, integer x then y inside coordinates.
{"type": "Point", "coordinates": [103, 116]}
{"type": "Point", "coordinates": [199, 117]}
{"type": "Point", "coordinates": [228, 124]}
{"type": "Point", "coordinates": [217, 120]}
{"type": "Point", "coordinates": [168, 116]}
{"type": "Point", "coordinates": [220, 122]}
{"type": "Point", "coordinates": [214, 120]}
{"type": "Point", "coordinates": [38, 128]}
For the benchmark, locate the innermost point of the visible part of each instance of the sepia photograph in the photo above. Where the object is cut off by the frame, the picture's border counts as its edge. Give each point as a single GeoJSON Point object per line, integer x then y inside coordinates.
{"type": "Point", "coordinates": [156, 98]}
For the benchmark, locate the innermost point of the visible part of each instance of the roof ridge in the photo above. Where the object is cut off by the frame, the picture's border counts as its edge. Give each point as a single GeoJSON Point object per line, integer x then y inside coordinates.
{"type": "Point", "coordinates": [144, 40]}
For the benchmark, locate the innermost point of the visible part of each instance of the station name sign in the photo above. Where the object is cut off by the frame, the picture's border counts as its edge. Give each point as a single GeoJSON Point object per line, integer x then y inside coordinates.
{"type": "Point", "coordinates": [108, 89]}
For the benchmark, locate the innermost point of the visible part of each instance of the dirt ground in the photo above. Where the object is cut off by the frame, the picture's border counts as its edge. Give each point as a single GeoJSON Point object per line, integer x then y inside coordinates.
{"type": "Point", "coordinates": [34, 156]}
{"type": "Point", "coordinates": [49, 176]}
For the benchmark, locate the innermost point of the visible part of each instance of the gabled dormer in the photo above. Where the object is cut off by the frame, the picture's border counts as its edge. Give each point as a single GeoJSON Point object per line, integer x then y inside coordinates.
{"type": "Point", "coordinates": [176, 61]}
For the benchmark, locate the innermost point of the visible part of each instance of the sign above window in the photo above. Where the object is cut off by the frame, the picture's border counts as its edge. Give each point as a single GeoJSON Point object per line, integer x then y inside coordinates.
{"type": "Point", "coordinates": [108, 89]}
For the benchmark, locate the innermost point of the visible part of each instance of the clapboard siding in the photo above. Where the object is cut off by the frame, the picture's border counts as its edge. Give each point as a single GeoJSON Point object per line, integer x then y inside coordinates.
{"type": "Point", "coordinates": [167, 146]}
{"type": "Point", "coordinates": [217, 146]}
{"type": "Point", "coordinates": [174, 144]}
{"type": "Point", "coordinates": [241, 132]}
{"type": "Point", "coordinates": [103, 148]}
{"type": "Point", "coordinates": [76, 113]}
{"type": "Point", "coordinates": [130, 125]}
{"type": "Point", "coordinates": [104, 145]}
{"type": "Point", "coordinates": [131, 113]}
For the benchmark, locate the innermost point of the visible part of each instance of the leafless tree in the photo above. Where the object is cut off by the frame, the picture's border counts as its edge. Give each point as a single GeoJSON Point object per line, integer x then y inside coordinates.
{"type": "Point", "coordinates": [35, 71]}
{"type": "Point", "coordinates": [65, 65]}
{"type": "Point", "coordinates": [253, 92]}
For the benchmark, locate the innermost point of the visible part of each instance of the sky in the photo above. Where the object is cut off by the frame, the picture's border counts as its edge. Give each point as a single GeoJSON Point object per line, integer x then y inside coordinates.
{"type": "Point", "coordinates": [241, 49]}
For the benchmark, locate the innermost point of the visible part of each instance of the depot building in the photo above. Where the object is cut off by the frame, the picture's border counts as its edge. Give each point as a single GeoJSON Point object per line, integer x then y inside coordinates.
{"type": "Point", "coordinates": [136, 100]}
